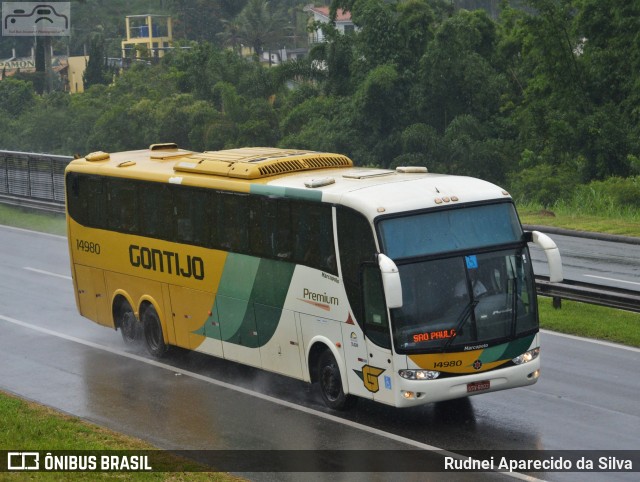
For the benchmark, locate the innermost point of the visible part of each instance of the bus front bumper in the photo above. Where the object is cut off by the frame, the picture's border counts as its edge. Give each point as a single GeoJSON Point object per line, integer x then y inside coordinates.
{"type": "Point", "coordinates": [410, 393]}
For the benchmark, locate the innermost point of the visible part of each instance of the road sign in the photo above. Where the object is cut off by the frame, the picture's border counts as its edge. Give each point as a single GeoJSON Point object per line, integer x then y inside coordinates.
{"type": "Point", "coordinates": [24, 19]}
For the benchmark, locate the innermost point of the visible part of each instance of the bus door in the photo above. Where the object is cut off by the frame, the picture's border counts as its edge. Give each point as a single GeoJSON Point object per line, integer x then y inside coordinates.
{"type": "Point", "coordinates": [378, 374]}
{"type": "Point", "coordinates": [356, 356]}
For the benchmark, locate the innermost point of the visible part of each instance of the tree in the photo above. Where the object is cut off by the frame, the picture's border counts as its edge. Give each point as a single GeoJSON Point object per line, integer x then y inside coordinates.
{"type": "Point", "coordinates": [97, 71]}
{"type": "Point", "coordinates": [201, 20]}
{"type": "Point", "coordinates": [610, 52]}
{"type": "Point", "coordinates": [457, 75]}
{"type": "Point", "coordinates": [261, 25]}
{"type": "Point", "coordinates": [232, 34]}
{"type": "Point", "coordinates": [416, 22]}
{"type": "Point", "coordinates": [379, 40]}
{"type": "Point", "coordinates": [376, 114]}
{"type": "Point", "coordinates": [575, 70]}
{"type": "Point", "coordinates": [334, 60]}
{"type": "Point", "coordinates": [16, 96]}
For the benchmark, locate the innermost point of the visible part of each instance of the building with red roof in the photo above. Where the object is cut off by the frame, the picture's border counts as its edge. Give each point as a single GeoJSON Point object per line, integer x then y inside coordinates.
{"type": "Point", "coordinates": [343, 22]}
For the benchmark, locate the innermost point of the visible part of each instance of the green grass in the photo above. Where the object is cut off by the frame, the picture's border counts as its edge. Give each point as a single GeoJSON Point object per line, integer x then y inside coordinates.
{"type": "Point", "coordinates": [34, 220]}
{"type": "Point", "coordinates": [29, 426]}
{"type": "Point", "coordinates": [591, 321]}
{"type": "Point", "coordinates": [625, 223]}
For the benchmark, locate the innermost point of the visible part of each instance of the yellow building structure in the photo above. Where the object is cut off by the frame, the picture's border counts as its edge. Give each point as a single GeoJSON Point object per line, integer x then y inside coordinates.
{"type": "Point", "coordinates": [77, 66]}
{"type": "Point", "coordinates": [147, 36]}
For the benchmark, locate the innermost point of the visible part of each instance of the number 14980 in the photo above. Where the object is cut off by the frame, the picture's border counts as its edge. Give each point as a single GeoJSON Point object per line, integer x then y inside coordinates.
{"type": "Point", "coordinates": [87, 246]}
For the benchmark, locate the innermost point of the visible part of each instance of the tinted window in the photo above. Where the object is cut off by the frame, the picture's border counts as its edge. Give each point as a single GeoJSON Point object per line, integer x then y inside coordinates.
{"type": "Point", "coordinates": [192, 216]}
{"type": "Point", "coordinates": [234, 220]}
{"type": "Point", "coordinates": [122, 206]}
{"type": "Point", "coordinates": [86, 200]}
{"type": "Point", "coordinates": [277, 228]}
{"type": "Point", "coordinates": [357, 246]}
{"type": "Point", "coordinates": [450, 230]}
{"type": "Point", "coordinates": [313, 235]}
{"type": "Point", "coordinates": [376, 322]}
{"type": "Point", "coordinates": [156, 218]}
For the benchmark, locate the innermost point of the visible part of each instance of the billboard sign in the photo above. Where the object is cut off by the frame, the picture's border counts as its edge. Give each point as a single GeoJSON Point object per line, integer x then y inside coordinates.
{"type": "Point", "coordinates": [24, 19]}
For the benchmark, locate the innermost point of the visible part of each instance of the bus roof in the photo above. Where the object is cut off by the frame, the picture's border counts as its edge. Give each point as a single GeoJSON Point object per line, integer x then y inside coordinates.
{"type": "Point", "coordinates": [293, 173]}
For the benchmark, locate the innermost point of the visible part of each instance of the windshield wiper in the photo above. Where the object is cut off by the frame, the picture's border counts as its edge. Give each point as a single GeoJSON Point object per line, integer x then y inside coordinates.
{"type": "Point", "coordinates": [466, 312]}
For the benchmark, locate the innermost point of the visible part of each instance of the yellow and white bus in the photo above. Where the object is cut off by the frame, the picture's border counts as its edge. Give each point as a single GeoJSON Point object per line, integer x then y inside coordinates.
{"type": "Point", "coordinates": [399, 286]}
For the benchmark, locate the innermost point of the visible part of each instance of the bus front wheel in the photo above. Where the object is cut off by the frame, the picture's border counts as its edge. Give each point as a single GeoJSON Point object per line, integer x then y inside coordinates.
{"type": "Point", "coordinates": [331, 383]}
{"type": "Point", "coordinates": [153, 333]}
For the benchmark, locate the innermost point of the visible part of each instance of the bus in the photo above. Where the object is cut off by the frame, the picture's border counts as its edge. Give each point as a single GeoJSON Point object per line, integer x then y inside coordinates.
{"type": "Point", "coordinates": [399, 286]}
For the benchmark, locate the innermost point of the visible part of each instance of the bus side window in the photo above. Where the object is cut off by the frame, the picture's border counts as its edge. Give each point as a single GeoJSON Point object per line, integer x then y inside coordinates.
{"type": "Point", "coordinates": [262, 219]}
{"type": "Point", "coordinates": [301, 238]}
{"type": "Point", "coordinates": [282, 244]}
{"type": "Point", "coordinates": [376, 323]}
{"type": "Point", "coordinates": [72, 183]}
{"type": "Point", "coordinates": [313, 243]}
{"type": "Point", "coordinates": [86, 199]}
{"type": "Point", "coordinates": [156, 212]}
{"type": "Point", "coordinates": [201, 217]}
{"type": "Point", "coordinates": [191, 214]}
{"type": "Point", "coordinates": [122, 207]}
{"type": "Point", "coordinates": [356, 246]}
{"type": "Point", "coordinates": [233, 230]}
{"type": "Point", "coordinates": [215, 220]}
{"type": "Point", "coordinates": [269, 228]}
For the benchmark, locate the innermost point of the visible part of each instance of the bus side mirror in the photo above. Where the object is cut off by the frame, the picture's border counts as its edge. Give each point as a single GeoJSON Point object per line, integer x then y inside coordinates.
{"type": "Point", "coordinates": [552, 253]}
{"type": "Point", "coordinates": [390, 281]}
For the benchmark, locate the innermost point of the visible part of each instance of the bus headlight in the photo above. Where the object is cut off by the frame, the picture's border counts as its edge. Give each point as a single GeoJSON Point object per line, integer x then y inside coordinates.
{"type": "Point", "coordinates": [527, 356]}
{"type": "Point", "coordinates": [419, 374]}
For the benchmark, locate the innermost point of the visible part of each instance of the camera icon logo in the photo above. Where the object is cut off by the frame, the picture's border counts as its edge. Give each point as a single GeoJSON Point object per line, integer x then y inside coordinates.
{"type": "Point", "coordinates": [31, 18]}
{"type": "Point", "coordinates": [23, 461]}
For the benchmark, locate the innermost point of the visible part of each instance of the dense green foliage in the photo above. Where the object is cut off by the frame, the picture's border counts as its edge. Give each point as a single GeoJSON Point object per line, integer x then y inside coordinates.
{"type": "Point", "coordinates": [542, 99]}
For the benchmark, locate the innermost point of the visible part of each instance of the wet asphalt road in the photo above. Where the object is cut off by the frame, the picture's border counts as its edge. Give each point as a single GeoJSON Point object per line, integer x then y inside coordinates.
{"type": "Point", "coordinates": [594, 261]}
{"type": "Point", "coordinates": [586, 399]}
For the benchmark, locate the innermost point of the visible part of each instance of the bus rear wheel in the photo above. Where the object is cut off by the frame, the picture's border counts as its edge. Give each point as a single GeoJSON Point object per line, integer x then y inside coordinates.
{"type": "Point", "coordinates": [153, 336]}
{"type": "Point", "coordinates": [331, 383]}
{"type": "Point", "coordinates": [128, 324]}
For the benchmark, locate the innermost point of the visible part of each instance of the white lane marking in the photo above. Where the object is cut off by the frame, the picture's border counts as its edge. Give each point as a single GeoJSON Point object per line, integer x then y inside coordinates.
{"type": "Point", "coordinates": [591, 340]}
{"type": "Point", "coordinates": [31, 231]}
{"type": "Point", "coordinates": [261, 396]}
{"type": "Point", "coordinates": [48, 273]}
{"type": "Point", "coordinates": [611, 279]}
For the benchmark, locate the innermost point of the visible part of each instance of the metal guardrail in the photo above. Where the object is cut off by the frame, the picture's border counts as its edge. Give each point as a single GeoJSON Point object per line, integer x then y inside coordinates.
{"type": "Point", "coordinates": [611, 297]}
{"type": "Point", "coordinates": [33, 180]}
{"type": "Point", "coordinates": [37, 181]}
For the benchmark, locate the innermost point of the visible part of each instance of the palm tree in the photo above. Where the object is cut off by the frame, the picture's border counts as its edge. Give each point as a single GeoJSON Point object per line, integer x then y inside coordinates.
{"type": "Point", "coordinates": [232, 34]}
{"type": "Point", "coordinates": [260, 25]}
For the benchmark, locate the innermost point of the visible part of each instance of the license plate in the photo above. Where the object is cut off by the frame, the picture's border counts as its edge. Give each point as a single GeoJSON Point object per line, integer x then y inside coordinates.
{"type": "Point", "coordinates": [477, 386]}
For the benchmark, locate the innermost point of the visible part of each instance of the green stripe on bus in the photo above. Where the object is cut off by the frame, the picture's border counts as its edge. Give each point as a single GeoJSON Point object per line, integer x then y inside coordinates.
{"type": "Point", "coordinates": [506, 350]}
{"type": "Point", "coordinates": [269, 295]}
{"type": "Point", "coordinates": [290, 192]}
{"type": "Point", "coordinates": [249, 302]}
{"type": "Point", "coordinates": [231, 308]}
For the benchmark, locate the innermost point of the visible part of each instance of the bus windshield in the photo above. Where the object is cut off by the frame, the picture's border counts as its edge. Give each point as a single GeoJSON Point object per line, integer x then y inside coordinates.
{"type": "Point", "coordinates": [449, 230]}
{"type": "Point", "coordinates": [465, 300]}
{"type": "Point", "coordinates": [457, 291]}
